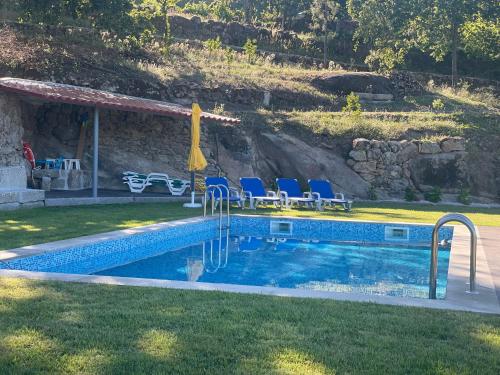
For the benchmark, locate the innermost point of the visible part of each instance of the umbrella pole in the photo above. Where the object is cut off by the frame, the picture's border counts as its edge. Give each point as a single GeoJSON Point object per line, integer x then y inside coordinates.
{"type": "Point", "coordinates": [192, 204]}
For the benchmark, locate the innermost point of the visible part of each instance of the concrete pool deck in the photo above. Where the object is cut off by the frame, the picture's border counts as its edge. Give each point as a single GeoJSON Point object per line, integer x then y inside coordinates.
{"type": "Point", "coordinates": [487, 300]}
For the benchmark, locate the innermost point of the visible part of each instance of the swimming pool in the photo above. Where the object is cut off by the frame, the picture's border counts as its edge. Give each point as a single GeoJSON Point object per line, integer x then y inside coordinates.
{"type": "Point", "coordinates": [311, 254]}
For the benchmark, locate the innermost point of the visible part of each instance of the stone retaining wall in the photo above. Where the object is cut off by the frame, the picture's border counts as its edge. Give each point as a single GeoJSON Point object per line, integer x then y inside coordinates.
{"type": "Point", "coordinates": [393, 166]}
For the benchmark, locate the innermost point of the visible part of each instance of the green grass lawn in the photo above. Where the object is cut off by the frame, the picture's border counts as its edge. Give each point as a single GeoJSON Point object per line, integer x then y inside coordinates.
{"type": "Point", "coordinates": [64, 328]}
{"type": "Point", "coordinates": [28, 227]}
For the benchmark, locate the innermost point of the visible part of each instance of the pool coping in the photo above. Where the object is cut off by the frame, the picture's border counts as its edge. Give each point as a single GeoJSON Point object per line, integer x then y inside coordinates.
{"type": "Point", "coordinates": [457, 297]}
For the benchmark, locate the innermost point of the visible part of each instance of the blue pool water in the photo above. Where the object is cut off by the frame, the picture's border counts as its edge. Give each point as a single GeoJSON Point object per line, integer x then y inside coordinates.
{"type": "Point", "coordinates": [325, 255]}
{"type": "Point", "coordinates": [325, 266]}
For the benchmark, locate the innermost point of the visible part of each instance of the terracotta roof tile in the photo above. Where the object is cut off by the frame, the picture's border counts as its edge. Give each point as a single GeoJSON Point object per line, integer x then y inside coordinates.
{"type": "Point", "coordinates": [57, 92]}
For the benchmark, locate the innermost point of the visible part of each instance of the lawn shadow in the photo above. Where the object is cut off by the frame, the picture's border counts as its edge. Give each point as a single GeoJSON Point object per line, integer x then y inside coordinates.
{"type": "Point", "coordinates": [78, 328]}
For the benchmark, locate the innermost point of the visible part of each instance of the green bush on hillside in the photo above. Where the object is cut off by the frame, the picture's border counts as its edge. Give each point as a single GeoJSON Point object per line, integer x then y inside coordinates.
{"type": "Point", "coordinates": [433, 195]}
{"type": "Point", "coordinates": [250, 49]}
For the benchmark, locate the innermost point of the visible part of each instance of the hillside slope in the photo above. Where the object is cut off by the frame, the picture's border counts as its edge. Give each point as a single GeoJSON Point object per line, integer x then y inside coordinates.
{"type": "Point", "coordinates": [301, 118]}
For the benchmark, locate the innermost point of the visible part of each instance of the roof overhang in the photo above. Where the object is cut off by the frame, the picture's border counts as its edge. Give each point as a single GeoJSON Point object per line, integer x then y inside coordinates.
{"type": "Point", "coordinates": [84, 96]}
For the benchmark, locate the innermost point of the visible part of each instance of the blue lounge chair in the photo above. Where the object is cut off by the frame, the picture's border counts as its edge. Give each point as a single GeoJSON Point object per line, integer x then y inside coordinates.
{"type": "Point", "coordinates": [290, 193]}
{"type": "Point", "coordinates": [322, 191]}
{"type": "Point", "coordinates": [250, 244]}
{"type": "Point", "coordinates": [253, 189]}
{"type": "Point", "coordinates": [211, 184]}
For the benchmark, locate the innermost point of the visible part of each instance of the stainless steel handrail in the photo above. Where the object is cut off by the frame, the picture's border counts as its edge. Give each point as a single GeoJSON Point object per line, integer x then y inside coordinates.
{"type": "Point", "coordinates": [435, 245]}
{"type": "Point", "coordinates": [209, 264]}
{"type": "Point", "coordinates": [211, 190]}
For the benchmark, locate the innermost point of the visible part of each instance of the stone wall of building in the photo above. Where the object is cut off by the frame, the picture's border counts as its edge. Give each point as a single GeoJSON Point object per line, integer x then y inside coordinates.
{"type": "Point", "coordinates": [12, 168]}
{"type": "Point", "coordinates": [393, 166]}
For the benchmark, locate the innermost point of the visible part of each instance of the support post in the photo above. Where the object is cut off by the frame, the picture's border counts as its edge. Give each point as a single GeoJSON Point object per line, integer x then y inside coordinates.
{"type": "Point", "coordinates": [95, 160]}
{"type": "Point", "coordinates": [192, 204]}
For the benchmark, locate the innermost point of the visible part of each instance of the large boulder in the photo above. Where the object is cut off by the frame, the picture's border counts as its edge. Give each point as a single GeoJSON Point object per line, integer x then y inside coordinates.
{"type": "Point", "coordinates": [345, 83]}
{"type": "Point", "coordinates": [284, 155]}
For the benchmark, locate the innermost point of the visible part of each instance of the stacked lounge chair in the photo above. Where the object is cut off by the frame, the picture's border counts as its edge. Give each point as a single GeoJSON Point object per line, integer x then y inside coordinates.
{"type": "Point", "coordinates": [138, 182]}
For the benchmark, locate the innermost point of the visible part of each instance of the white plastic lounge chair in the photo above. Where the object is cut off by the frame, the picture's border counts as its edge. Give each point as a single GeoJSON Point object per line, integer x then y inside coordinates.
{"type": "Point", "coordinates": [290, 193]}
{"type": "Point", "coordinates": [137, 182]}
{"type": "Point", "coordinates": [253, 189]}
{"type": "Point", "coordinates": [322, 191]}
{"type": "Point", "coordinates": [137, 185]}
{"type": "Point", "coordinates": [177, 186]}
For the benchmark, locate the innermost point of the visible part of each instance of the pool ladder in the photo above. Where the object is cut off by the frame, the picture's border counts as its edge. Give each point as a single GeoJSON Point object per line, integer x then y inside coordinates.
{"type": "Point", "coordinates": [210, 192]}
{"type": "Point", "coordinates": [210, 264]}
{"type": "Point", "coordinates": [434, 254]}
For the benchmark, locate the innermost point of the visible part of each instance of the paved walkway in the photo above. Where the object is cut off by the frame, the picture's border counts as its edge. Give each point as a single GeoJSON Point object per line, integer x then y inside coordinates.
{"type": "Point", "coordinates": [87, 193]}
{"type": "Point", "coordinates": [490, 238]}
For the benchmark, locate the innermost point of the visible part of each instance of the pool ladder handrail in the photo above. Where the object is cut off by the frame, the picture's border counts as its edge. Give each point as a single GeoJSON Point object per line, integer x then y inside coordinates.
{"type": "Point", "coordinates": [211, 190]}
{"type": "Point", "coordinates": [221, 263]}
{"type": "Point", "coordinates": [435, 245]}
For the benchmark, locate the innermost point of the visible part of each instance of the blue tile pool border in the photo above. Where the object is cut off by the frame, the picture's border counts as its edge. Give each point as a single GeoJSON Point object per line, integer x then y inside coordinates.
{"type": "Point", "coordinates": [104, 252]}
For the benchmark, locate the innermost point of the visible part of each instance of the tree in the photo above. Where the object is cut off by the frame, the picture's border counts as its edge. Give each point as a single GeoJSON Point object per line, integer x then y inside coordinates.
{"type": "Point", "coordinates": [45, 11]}
{"type": "Point", "coordinates": [285, 9]}
{"type": "Point", "coordinates": [481, 38]}
{"type": "Point", "coordinates": [436, 27]}
{"type": "Point", "coordinates": [382, 24]}
{"type": "Point", "coordinates": [323, 13]}
{"type": "Point", "coordinates": [110, 15]}
{"type": "Point", "coordinates": [247, 10]}
{"type": "Point", "coordinates": [165, 6]}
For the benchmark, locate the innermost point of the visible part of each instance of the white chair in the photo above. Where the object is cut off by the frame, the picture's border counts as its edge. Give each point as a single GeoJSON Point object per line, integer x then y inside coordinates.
{"type": "Point", "coordinates": [72, 164]}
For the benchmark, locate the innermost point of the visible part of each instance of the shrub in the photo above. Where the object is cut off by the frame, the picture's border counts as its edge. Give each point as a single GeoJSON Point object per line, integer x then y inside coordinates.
{"type": "Point", "coordinates": [213, 45]}
{"type": "Point", "coordinates": [199, 9]}
{"type": "Point", "coordinates": [250, 49]}
{"type": "Point", "coordinates": [223, 11]}
{"type": "Point", "coordinates": [410, 195]}
{"type": "Point", "coordinates": [218, 109]}
{"type": "Point", "coordinates": [438, 104]}
{"type": "Point", "coordinates": [353, 104]}
{"type": "Point", "coordinates": [433, 195]}
{"type": "Point", "coordinates": [229, 55]}
{"type": "Point", "coordinates": [372, 193]}
{"type": "Point", "coordinates": [464, 196]}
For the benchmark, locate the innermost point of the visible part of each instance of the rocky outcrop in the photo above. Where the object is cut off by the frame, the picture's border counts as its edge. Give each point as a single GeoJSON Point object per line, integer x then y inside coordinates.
{"type": "Point", "coordinates": [404, 83]}
{"type": "Point", "coordinates": [393, 166]}
{"type": "Point", "coordinates": [345, 83]}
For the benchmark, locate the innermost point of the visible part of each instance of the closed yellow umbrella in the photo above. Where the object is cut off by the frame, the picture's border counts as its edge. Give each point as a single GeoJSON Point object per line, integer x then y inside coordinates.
{"type": "Point", "coordinates": [196, 161]}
